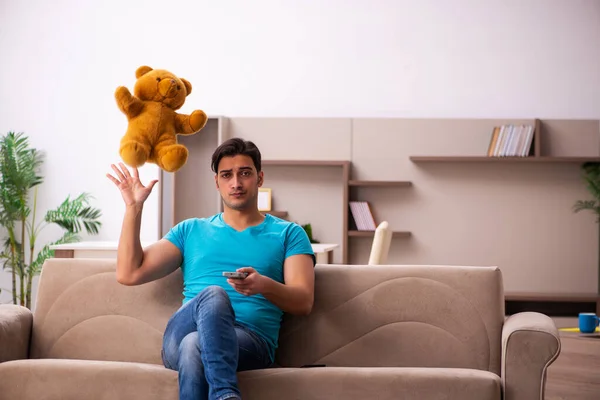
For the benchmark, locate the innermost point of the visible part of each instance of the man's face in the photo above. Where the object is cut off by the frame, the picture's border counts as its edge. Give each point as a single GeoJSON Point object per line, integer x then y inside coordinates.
{"type": "Point", "coordinates": [238, 182]}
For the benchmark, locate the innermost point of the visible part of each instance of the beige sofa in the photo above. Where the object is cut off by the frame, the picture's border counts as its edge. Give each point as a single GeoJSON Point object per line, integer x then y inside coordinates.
{"type": "Point", "coordinates": [383, 332]}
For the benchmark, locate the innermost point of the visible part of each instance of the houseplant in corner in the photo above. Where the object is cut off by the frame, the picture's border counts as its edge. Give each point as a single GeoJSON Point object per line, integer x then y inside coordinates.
{"type": "Point", "coordinates": [19, 181]}
{"type": "Point", "coordinates": [591, 176]}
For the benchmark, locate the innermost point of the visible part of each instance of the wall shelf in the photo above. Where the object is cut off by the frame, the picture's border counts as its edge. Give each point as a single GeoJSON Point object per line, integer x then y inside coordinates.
{"type": "Point", "coordinates": [305, 163]}
{"type": "Point", "coordinates": [358, 183]}
{"type": "Point", "coordinates": [479, 159]}
{"type": "Point", "coordinates": [355, 233]}
{"type": "Point", "coordinates": [278, 214]}
{"type": "Point", "coordinates": [553, 304]}
{"type": "Point", "coordinates": [563, 297]}
{"type": "Point", "coordinates": [538, 153]}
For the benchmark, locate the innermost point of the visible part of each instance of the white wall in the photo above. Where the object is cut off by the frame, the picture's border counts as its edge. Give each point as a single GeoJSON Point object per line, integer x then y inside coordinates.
{"type": "Point", "coordinates": [62, 60]}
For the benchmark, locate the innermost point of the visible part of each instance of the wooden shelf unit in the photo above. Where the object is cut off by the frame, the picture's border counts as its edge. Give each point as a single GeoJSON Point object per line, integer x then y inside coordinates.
{"type": "Point", "coordinates": [347, 184]}
{"type": "Point", "coordinates": [352, 231]}
{"type": "Point", "coordinates": [181, 195]}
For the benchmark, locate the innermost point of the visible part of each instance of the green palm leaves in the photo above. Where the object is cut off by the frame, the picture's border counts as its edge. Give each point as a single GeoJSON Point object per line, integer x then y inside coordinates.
{"type": "Point", "coordinates": [591, 176]}
{"type": "Point", "coordinates": [19, 181]}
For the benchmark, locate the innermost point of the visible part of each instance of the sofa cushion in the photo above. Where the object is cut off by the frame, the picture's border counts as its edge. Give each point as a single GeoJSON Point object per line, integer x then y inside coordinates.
{"type": "Point", "coordinates": [83, 312]}
{"type": "Point", "coordinates": [399, 316]}
{"type": "Point", "coordinates": [52, 379]}
{"type": "Point", "coordinates": [369, 383]}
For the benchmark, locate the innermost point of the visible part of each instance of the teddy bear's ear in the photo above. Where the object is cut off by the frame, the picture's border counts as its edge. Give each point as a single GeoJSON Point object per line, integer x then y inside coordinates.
{"type": "Point", "coordinates": [188, 85]}
{"type": "Point", "coordinates": [143, 70]}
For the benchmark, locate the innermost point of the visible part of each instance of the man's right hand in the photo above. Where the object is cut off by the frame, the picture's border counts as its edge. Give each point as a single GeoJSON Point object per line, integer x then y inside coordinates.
{"type": "Point", "coordinates": [132, 190]}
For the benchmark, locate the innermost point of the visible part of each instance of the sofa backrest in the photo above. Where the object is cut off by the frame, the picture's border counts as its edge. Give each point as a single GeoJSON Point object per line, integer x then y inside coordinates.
{"type": "Point", "coordinates": [383, 315]}
{"type": "Point", "coordinates": [82, 312]}
{"type": "Point", "coordinates": [399, 316]}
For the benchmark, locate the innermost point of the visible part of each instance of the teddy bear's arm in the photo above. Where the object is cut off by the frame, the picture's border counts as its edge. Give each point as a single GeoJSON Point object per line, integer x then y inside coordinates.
{"type": "Point", "coordinates": [189, 124]}
{"type": "Point", "coordinates": [128, 104]}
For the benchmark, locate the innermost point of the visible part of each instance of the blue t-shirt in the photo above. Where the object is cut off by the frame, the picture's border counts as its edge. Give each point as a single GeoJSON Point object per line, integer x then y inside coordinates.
{"type": "Point", "coordinates": [209, 247]}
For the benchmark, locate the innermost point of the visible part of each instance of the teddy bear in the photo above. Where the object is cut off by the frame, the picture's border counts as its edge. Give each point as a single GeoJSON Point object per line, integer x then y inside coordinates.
{"type": "Point", "coordinates": [153, 123]}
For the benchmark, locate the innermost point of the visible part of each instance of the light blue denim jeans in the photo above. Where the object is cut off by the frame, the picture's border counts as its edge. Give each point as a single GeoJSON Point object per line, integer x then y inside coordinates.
{"type": "Point", "coordinates": [204, 344]}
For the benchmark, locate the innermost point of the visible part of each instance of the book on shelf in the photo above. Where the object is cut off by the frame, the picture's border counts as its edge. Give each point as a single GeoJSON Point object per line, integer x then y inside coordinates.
{"type": "Point", "coordinates": [511, 140]}
{"type": "Point", "coordinates": [363, 217]}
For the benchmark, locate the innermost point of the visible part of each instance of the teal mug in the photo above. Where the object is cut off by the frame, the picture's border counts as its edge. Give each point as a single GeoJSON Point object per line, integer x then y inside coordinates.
{"type": "Point", "coordinates": [588, 322]}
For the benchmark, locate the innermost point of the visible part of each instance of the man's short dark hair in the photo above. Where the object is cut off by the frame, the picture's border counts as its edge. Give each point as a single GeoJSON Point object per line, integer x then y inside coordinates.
{"type": "Point", "coordinates": [234, 147]}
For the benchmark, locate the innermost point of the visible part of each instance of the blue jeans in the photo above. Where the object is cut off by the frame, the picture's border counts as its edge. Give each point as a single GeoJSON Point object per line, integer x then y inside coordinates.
{"type": "Point", "coordinates": [207, 347]}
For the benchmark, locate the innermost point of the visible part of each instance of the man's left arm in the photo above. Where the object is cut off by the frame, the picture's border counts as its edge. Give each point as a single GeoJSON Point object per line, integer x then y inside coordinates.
{"type": "Point", "coordinates": [295, 296]}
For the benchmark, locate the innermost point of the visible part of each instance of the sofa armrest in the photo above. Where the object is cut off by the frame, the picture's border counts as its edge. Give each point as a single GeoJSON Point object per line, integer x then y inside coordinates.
{"type": "Point", "coordinates": [15, 332]}
{"type": "Point", "coordinates": [530, 343]}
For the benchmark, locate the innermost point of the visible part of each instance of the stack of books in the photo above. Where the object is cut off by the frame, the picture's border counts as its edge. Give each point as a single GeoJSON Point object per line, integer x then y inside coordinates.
{"type": "Point", "coordinates": [511, 141]}
{"type": "Point", "coordinates": [363, 218]}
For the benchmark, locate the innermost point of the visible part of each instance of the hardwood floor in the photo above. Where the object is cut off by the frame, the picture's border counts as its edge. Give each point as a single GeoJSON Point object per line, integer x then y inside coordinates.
{"type": "Point", "coordinates": [575, 375]}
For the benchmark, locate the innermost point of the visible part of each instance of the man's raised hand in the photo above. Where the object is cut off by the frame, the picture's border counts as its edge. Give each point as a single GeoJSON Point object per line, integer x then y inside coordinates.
{"type": "Point", "coordinates": [132, 190]}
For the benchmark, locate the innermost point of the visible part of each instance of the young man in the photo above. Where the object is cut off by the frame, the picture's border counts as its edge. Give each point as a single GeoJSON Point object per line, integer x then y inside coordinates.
{"type": "Point", "coordinates": [225, 325]}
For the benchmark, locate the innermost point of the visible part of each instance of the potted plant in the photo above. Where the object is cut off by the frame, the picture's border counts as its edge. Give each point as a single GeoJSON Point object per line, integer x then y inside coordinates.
{"type": "Point", "coordinates": [591, 176]}
{"type": "Point", "coordinates": [308, 229]}
{"type": "Point", "coordinates": [19, 181]}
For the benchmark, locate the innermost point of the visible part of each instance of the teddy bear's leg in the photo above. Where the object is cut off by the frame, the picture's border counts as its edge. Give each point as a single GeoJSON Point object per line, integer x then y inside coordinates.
{"type": "Point", "coordinates": [134, 153]}
{"type": "Point", "coordinates": [171, 157]}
